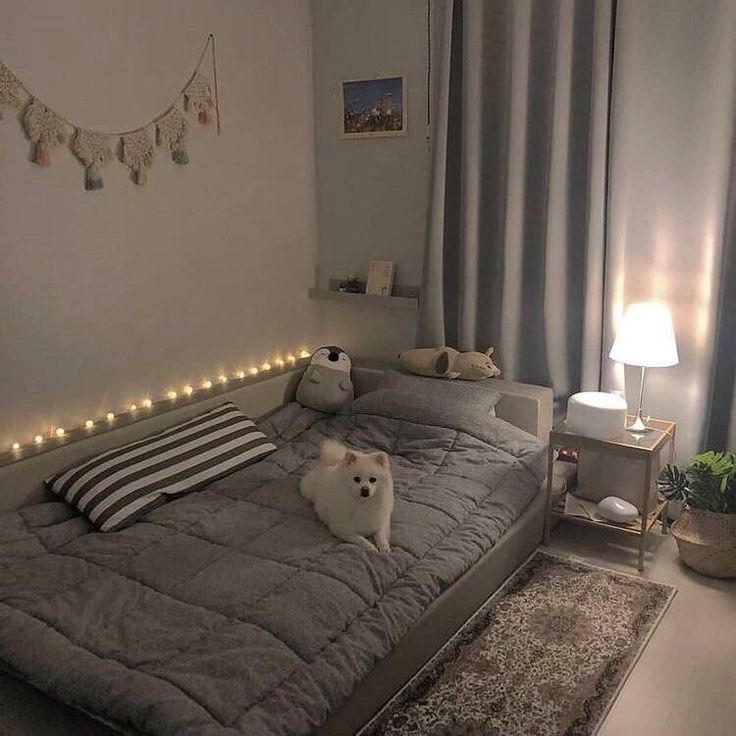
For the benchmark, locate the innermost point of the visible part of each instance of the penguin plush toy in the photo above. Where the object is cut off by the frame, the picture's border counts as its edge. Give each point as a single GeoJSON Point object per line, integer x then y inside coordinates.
{"type": "Point", "coordinates": [326, 384]}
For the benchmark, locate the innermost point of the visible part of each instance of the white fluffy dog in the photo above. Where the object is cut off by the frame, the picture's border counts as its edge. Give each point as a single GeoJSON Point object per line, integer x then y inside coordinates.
{"type": "Point", "coordinates": [352, 493]}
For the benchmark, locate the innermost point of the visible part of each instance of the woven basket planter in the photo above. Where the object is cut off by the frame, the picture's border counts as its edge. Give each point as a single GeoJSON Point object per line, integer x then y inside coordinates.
{"type": "Point", "coordinates": [707, 542]}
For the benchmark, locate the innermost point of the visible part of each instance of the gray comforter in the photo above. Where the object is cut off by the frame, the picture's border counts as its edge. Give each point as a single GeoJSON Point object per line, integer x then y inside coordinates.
{"type": "Point", "coordinates": [233, 610]}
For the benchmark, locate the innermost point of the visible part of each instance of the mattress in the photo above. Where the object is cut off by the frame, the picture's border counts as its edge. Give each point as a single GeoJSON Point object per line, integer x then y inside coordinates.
{"type": "Point", "coordinates": [234, 610]}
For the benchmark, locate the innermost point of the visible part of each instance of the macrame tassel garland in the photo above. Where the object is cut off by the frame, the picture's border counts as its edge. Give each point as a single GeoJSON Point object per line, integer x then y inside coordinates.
{"type": "Point", "coordinates": [198, 97]}
{"type": "Point", "coordinates": [137, 154]}
{"type": "Point", "coordinates": [10, 88]}
{"type": "Point", "coordinates": [171, 132]}
{"type": "Point", "coordinates": [93, 150]}
{"type": "Point", "coordinates": [45, 129]}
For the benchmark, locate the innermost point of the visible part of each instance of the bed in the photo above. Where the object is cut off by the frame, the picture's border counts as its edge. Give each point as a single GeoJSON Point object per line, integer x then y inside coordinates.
{"type": "Point", "coordinates": [234, 611]}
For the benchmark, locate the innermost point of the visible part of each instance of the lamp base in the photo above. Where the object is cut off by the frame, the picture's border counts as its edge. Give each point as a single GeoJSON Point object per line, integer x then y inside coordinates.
{"type": "Point", "coordinates": [638, 426]}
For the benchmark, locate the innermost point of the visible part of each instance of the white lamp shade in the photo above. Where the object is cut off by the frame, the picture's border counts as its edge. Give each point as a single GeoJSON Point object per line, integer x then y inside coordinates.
{"type": "Point", "coordinates": [646, 337]}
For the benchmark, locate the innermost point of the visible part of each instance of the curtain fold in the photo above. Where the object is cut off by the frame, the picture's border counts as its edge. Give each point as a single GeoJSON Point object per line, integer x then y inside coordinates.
{"type": "Point", "coordinates": [516, 223]}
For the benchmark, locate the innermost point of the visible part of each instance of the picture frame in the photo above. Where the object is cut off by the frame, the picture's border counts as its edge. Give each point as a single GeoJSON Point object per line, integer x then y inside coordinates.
{"type": "Point", "coordinates": [380, 281]}
{"type": "Point", "coordinates": [372, 108]}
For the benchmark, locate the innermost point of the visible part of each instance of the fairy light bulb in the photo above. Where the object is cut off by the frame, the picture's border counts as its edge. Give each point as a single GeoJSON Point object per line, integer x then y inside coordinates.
{"type": "Point", "coordinates": [38, 439]}
{"type": "Point", "coordinates": [253, 371]}
{"type": "Point", "coordinates": [304, 354]}
{"type": "Point", "coordinates": [147, 403]}
{"type": "Point", "coordinates": [280, 362]}
{"type": "Point", "coordinates": [240, 374]}
{"type": "Point", "coordinates": [172, 395]}
{"type": "Point", "coordinates": [89, 424]}
{"type": "Point", "coordinates": [206, 383]}
{"type": "Point", "coordinates": [266, 367]}
{"type": "Point", "coordinates": [60, 431]}
{"type": "Point", "coordinates": [133, 408]}
{"type": "Point", "coordinates": [110, 416]}
{"type": "Point", "coordinates": [291, 358]}
{"type": "Point", "coordinates": [15, 446]}
{"type": "Point", "coordinates": [222, 379]}
{"type": "Point", "coordinates": [188, 390]}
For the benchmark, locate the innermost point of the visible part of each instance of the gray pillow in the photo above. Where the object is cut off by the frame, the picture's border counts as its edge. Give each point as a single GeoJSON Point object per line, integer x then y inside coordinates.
{"type": "Point", "coordinates": [462, 415]}
{"type": "Point", "coordinates": [445, 390]}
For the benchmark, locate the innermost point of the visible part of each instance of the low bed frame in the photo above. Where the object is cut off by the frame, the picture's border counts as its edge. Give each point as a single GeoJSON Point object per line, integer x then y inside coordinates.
{"type": "Point", "coordinates": [25, 710]}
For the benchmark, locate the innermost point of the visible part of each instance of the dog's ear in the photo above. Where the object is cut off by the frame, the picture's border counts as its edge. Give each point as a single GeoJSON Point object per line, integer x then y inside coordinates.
{"type": "Point", "coordinates": [350, 458]}
{"type": "Point", "coordinates": [381, 458]}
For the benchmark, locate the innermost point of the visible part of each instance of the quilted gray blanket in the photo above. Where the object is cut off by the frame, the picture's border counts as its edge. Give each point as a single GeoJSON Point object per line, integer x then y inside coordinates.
{"type": "Point", "coordinates": [234, 610]}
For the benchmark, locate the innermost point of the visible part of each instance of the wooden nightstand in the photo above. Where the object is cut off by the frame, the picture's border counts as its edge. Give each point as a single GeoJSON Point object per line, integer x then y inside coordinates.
{"type": "Point", "coordinates": [642, 447]}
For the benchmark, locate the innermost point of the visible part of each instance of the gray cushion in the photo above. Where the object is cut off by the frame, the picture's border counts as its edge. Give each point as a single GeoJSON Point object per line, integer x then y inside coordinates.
{"type": "Point", "coordinates": [445, 390]}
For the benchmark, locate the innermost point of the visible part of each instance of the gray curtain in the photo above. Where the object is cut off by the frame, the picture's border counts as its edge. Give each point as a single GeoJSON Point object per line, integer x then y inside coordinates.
{"type": "Point", "coordinates": [584, 157]}
{"type": "Point", "coordinates": [515, 249]}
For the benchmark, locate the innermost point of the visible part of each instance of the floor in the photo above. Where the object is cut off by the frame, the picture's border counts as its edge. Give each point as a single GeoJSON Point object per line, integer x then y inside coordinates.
{"type": "Point", "coordinates": [684, 684]}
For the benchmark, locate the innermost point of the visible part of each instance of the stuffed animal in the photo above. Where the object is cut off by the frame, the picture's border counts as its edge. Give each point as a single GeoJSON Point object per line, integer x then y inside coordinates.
{"type": "Point", "coordinates": [326, 384]}
{"type": "Point", "coordinates": [444, 362]}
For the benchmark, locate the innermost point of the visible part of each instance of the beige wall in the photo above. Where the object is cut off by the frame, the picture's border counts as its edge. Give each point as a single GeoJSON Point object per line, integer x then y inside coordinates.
{"type": "Point", "coordinates": [371, 194]}
{"type": "Point", "coordinates": [109, 295]}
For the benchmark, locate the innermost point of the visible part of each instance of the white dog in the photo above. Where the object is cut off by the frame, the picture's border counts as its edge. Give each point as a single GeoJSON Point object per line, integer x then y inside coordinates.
{"type": "Point", "coordinates": [352, 493]}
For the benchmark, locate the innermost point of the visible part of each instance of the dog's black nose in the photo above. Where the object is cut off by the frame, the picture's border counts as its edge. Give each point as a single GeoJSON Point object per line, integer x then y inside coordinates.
{"type": "Point", "coordinates": [364, 492]}
{"type": "Point", "coordinates": [333, 357]}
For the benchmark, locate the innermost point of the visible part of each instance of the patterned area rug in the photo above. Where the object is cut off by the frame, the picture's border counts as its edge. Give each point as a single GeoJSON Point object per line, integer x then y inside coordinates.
{"type": "Point", "coordinates": [546, 655]}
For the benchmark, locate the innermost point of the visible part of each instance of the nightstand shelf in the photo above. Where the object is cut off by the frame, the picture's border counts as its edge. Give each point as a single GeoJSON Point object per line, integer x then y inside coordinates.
{"type": "Point", "coordinates": [634, 527]}
{"type": "Point", "coordinates": [641, 447]}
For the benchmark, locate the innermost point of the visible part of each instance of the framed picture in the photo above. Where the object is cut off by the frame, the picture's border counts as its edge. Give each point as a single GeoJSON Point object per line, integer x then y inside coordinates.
{"type": "Point", "coordinates": [380, 278]}
{"type": "Point", "coordinates": [373, 108]}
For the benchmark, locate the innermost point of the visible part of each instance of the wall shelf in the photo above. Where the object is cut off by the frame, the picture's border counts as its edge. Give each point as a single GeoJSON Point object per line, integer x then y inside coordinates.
{"type": "Point", "coordinates": [404, 297]}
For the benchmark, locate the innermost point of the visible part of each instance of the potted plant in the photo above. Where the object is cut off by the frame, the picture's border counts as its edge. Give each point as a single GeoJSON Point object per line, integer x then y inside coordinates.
{"type": "Point", "coordinates": [706, 529]}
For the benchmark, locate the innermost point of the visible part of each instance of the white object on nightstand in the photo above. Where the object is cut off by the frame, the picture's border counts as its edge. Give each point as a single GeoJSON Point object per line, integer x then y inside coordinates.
{"type": "Point", "coordinates": [596, 414]}
{"type": "Point", "coordinates": [616, 509]}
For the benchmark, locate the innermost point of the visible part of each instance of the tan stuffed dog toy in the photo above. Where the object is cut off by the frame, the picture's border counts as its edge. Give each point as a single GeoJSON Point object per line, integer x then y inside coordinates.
{"type": "Point", "coordinates": [447, 362]}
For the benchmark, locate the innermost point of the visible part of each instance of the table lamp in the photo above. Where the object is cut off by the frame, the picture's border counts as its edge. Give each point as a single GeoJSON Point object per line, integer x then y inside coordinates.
{"type": "Point", "coordinates": [645, 338]}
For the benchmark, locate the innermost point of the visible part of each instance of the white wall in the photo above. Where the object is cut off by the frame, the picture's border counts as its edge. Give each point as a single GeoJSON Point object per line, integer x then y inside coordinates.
{"type": "Point", "coordinates": [371, 194]}
{"type": "Point", "coordinates": [109, 295]}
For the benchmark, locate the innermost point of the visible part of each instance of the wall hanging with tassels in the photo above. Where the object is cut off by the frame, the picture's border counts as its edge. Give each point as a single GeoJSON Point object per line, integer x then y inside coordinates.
{"type": "Point", "coordinates": [47, 129]}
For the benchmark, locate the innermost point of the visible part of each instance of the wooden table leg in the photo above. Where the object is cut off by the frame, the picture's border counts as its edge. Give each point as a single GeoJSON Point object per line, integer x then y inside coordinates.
{"type": "Point", "coordinates": [548, 505]}
{"type": "Point", "coordinates": [645, 513]}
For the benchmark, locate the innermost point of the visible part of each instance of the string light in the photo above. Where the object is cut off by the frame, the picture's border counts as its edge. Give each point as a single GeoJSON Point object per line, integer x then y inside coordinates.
{"type": "Point", "coordinates": [188, 390]}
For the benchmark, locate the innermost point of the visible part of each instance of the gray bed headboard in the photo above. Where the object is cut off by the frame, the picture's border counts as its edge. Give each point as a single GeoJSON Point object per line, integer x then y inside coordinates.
{"type": "Point", "coordinates": [21, 483]}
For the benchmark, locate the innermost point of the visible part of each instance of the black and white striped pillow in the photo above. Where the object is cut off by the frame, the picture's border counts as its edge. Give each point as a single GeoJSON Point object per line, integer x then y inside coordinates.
{"type": "Point", "coordinates": [120, 485]}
